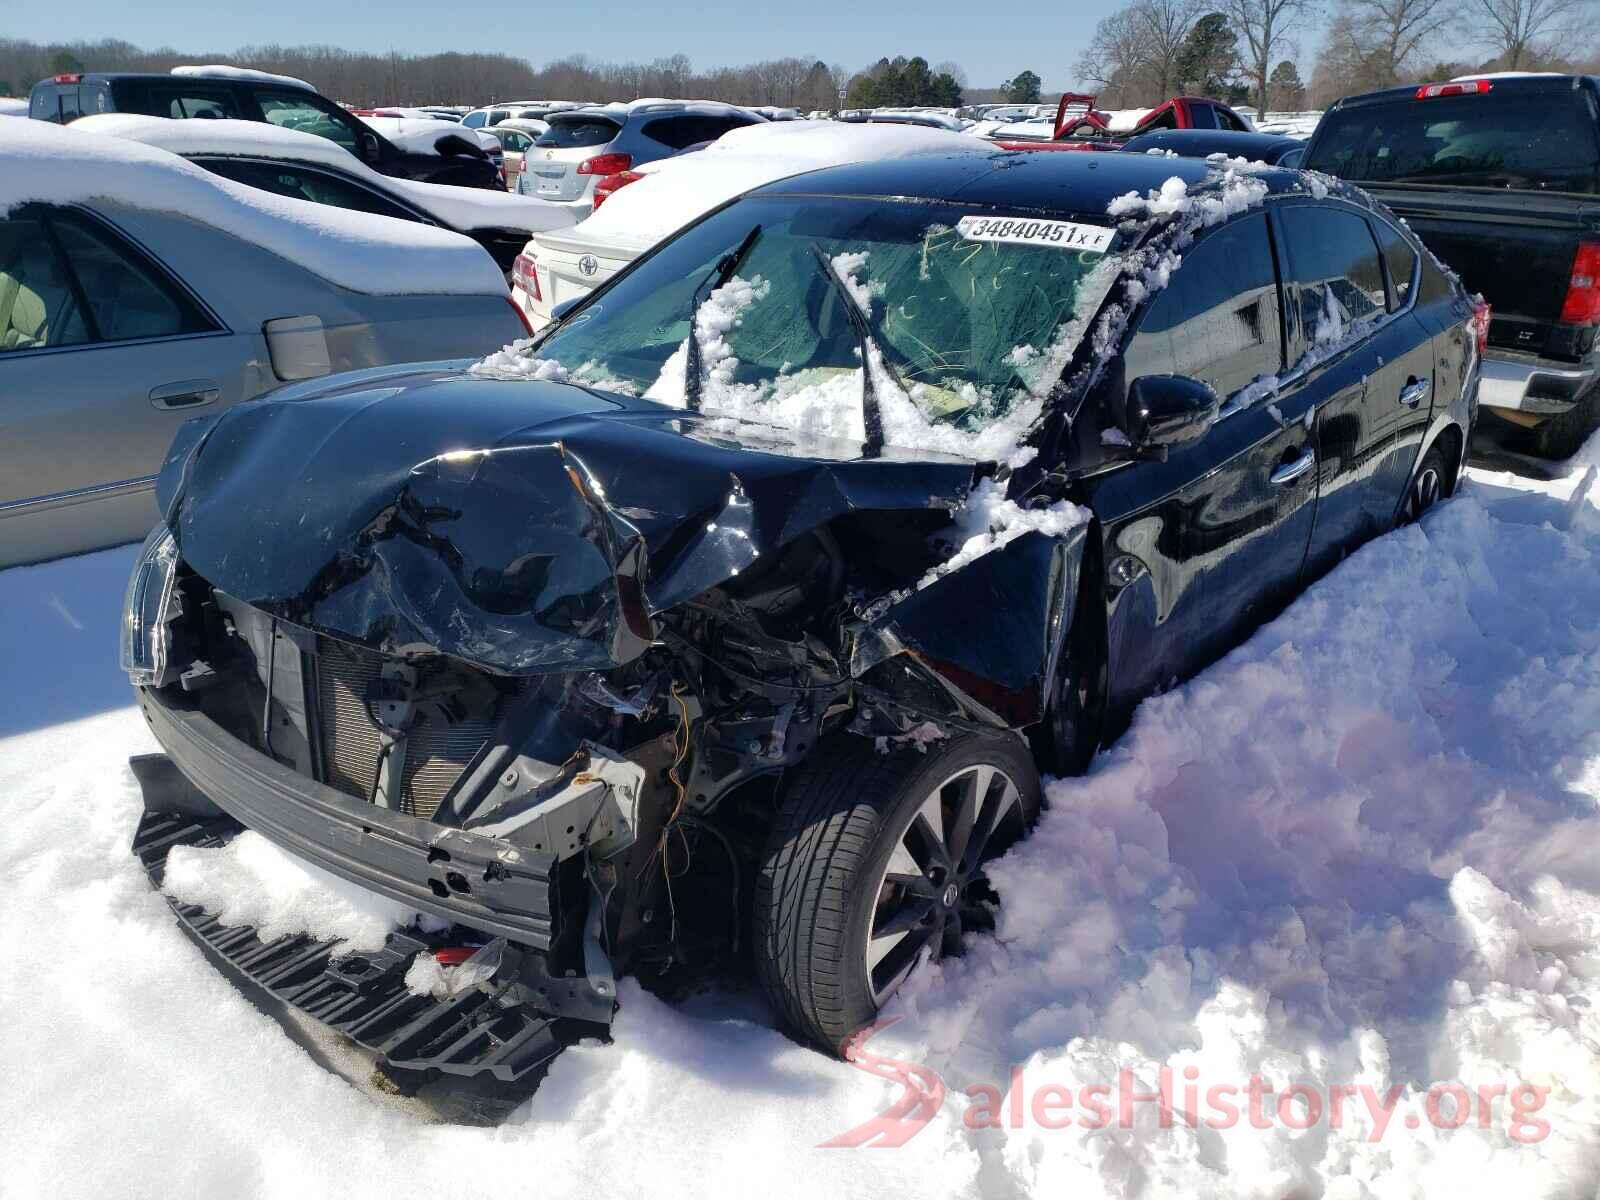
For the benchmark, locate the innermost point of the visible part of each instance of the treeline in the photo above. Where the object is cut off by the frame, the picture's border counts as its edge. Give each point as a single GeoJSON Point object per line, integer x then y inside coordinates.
{"type": "Point", "coordinates": [1244, 51]}
{"type": "Point", "coordinates": [365, 79]}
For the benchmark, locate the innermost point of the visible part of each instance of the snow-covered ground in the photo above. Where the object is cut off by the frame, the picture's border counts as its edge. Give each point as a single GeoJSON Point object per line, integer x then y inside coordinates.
{"type": "Point", "coordinates": [1357, 855]}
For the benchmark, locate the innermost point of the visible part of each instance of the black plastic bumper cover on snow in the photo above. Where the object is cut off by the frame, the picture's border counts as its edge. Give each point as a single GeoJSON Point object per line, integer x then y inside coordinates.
{"type": "Point", "coordinates": [363, 996]}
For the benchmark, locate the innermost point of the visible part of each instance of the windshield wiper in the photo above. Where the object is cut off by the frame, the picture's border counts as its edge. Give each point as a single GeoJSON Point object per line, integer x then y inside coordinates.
{"type": "Point", "coordinates": [871, 413]}
{"type": "Point", "coordinates": [719, 275]}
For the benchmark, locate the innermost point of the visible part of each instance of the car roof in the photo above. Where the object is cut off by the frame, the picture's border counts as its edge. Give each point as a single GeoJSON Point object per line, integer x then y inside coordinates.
{"type": "Point", "coordinates": [1065, 181]}
{"type": "Point", "coordinates": [1204, 141]}
{"type": "Point", "coordinates": [1512, 84]}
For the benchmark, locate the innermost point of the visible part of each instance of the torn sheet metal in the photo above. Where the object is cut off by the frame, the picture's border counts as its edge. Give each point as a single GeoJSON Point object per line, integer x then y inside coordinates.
{"type": "Point", "coordinates": [526, 527]}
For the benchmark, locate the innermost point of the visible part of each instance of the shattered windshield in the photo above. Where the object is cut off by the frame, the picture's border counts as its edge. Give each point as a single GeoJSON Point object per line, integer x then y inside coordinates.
{"type": "Point", "coordinates": [966, 318]}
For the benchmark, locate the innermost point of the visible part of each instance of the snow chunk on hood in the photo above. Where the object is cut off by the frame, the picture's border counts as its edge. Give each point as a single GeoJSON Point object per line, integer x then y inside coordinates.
{"type": "Point", "coordinates": [989, 520]}
{"type": "Point", "coordinates": [381, 256]}
{"type": "Point", "coordinates": [252, 882]}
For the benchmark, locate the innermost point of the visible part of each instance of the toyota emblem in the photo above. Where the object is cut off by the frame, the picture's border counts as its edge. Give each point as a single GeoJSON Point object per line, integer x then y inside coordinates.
{"type": "Point", "coordinates": [588, 265]}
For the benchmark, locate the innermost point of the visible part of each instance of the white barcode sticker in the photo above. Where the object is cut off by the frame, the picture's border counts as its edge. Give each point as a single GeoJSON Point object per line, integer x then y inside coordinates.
{"type": "Point", "coordinates": [1027, 231]}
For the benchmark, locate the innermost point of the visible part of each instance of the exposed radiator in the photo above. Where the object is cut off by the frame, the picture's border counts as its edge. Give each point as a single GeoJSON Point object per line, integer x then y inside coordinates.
{"type": "Point", "coordinates": [436, 752]}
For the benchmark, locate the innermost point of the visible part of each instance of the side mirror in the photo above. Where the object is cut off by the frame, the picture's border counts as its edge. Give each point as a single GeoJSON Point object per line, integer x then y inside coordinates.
{"type": "Point", "coordinates": [1169, 410]}
{"type": "Point", "coordinates": [371, 152]}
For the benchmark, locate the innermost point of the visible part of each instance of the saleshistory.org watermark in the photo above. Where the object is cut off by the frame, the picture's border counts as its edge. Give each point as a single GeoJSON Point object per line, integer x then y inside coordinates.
{"type": "Point", "coordinates": [1178, 1097]}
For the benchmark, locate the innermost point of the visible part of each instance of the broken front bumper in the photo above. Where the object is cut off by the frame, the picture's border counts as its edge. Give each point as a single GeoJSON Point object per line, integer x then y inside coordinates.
{"type": "Point", "coordinates": [481, 882]}
{"type": "Point", "coordinates": [364, 996]}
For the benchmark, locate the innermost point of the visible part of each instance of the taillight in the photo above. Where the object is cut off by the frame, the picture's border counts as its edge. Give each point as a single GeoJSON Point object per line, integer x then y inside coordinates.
{"type": "Point", "coordinates": [1468, 87]}
{"type": "Point", "coordinates": [526, 276]}
{"type": "Point", "coordinates": [611, 183]}
{"type": "Point", "coordinates": [1480, 323]}
{"type": "Point", "coordinates": [521, 316]}
{"type": "Point", "coordinates": [605, 164]}
{"type": "Point", "coordinates": [1582, 305]}
{"type": "Point", "coordinates": [69, 79]}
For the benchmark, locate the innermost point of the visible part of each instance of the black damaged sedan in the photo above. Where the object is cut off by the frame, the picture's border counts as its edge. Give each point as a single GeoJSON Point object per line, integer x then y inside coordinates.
{"type": "Point", "coordinates": [739, 615]}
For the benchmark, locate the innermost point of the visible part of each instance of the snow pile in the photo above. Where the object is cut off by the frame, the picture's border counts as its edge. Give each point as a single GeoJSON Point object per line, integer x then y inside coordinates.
{"type": "Point", "coordinates": [419, 135]}
{"type": "Point", "coordinates": [1355, 854]}
{"type": "Point", "coordinates": [988, 521]}
{"type": "Point", "coordinates": [43, 162]}
{"type": "Point", "coordinates": [460, 207]}
{"type": "Point", "coordinates": [11, 106]}
{"type": "Point", "coordinates": [246, 74]}
{"type": "Point", "coordinates": [675, 191]}
{"type": "Point", "coordinates": [252, 882]}
{"type": "Point", "coordinates": [1238, 191]}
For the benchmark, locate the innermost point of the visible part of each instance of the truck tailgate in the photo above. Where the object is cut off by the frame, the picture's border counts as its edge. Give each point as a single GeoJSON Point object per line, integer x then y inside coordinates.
{"type": "Point", "coordinates": [1516, 248]}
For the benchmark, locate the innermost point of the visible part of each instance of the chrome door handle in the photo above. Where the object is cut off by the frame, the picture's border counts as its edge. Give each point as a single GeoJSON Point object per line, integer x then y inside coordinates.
{"type": "Point", "coordinates": [1414, 392]}
{"type": "Point", "coordinates": [190, 393]}
{"type": "Point", "coordinates": [1290, 471]}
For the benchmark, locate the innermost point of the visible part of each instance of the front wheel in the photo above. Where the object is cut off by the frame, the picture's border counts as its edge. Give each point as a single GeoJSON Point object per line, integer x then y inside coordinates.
{"type": "Point", "coordinates": [875, 865]}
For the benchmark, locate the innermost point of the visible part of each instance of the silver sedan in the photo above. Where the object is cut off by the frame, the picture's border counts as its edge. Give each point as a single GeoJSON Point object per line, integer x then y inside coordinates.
{"type": "Point", "coordinates": [121, 320]}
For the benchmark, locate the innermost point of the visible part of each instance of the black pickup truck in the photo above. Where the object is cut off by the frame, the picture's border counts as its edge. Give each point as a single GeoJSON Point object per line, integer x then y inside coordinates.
{"type": "Point", "coordinates": [1500, 176]}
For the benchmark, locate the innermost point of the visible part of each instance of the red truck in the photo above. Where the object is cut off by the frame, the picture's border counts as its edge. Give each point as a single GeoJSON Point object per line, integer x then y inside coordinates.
{"type": "Point", "coordinates": [1079, 126]}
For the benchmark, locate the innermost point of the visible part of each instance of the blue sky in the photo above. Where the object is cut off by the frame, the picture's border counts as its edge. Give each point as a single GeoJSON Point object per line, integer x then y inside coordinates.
{"type": "Point", "coordinates": [992, 41]}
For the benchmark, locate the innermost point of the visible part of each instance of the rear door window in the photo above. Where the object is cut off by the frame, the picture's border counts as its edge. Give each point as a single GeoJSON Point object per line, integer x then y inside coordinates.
{"type": "Point", "coordinates": [180, 102]}
{"type": "Point", "coordinates": [584, 131]}
{"type": "Point", "coordinates": [1218, 318]}
{"type": "Point", "coordinates": [39, 306]}
{"type": "Point", "coordinates": [682, 132]}
{"type": "Point", "coordinates": [1334, 273]}
{"type": "Point", "coordinates": [1399, 260]}
{"type": "Point", "coordinates": [306, 183]}
{"type": "Point", "coordinates": [1543, 141]}
{"type": "Point", "coordinates": [1203, 116]}
{"type": "Point", "coordinates": [303, 111]}
{"type": "Point", "coordinates": [70, 111]}
{"type": "Point", "coordinates": [127, 297]}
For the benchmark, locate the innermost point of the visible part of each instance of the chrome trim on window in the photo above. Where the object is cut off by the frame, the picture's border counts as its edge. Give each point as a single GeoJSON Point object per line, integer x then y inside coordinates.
{"type": "Point", "coordinates": [99, 491]}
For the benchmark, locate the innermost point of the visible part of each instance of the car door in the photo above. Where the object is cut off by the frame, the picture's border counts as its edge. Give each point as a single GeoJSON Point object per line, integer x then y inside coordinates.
{"type": "Point", "coordinates": [1335, 286]}
{"type": "Point", "coordinates": [102, 356]}
{"type": "Point", "coordinates": [1201, 547]}
{"type": "Point", "coordinates": [1403, 390]}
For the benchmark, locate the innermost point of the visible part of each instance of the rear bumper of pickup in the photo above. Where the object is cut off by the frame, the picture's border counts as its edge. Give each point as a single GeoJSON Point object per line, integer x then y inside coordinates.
{"type": "Point", "coordinates": [1536, 387]}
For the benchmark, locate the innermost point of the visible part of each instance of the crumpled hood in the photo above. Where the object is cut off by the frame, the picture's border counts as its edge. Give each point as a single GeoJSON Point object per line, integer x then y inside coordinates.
{"type": "Point", "coordinates": [523, 526]}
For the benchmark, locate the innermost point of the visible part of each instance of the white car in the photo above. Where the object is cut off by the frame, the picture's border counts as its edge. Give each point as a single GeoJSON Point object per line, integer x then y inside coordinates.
{"type": "Point", "coordinates": [584, 145]}
{"type": "Point", "coordinates": [565, 265]}
{"type": "Point", "coordinates": [306, 167]}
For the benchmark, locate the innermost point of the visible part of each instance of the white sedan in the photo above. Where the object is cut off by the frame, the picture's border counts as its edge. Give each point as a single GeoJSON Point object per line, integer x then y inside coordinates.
{"type": "Point", "coordinates": [636, 210]}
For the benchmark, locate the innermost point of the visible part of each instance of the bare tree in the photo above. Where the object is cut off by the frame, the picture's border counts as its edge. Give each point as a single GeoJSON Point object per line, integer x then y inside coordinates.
{"type": "Point", "coordinates": [1164, 26]}
{"type": "Point", "coordinates": [1518, 27]}
{"type": "Point", "coordinates": [1265, 26]}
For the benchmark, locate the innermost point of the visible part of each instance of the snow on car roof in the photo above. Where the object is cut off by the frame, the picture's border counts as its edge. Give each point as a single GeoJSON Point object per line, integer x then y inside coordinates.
{"type": "Point", "coordinates": [52, 164]}
{"type": "Point", "coordinates": [461, 207]}
{"type": "Point", "coordinates": [416, 135]}
{"type": "Point", "coordinates": [223, 71]}
{"type": "Point", "coordinates": [676, 190]}
{"type": "Point", "coordinates": [625, 109]}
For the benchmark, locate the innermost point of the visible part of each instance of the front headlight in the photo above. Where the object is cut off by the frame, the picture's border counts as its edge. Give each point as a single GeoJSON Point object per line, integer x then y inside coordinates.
{"type": "Point", "coordinates": [150, 607]}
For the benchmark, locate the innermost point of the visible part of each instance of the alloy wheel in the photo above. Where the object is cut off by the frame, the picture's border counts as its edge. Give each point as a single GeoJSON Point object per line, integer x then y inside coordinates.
{"type": "Point", "coordinates": [933, 888]}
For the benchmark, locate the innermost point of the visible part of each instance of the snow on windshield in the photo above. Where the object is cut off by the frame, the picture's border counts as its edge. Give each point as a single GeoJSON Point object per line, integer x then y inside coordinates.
{"type": "Point", "coordinates": [971, 322]}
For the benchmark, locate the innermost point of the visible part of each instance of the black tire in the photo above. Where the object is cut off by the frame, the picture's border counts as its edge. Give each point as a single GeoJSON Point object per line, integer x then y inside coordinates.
{"type": "Point", "coordinates": [1427, 485]}
{"type": "Point", "coordinates": [825, 878]}
{"type": "Point", "coordinates": [1561, 436]}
